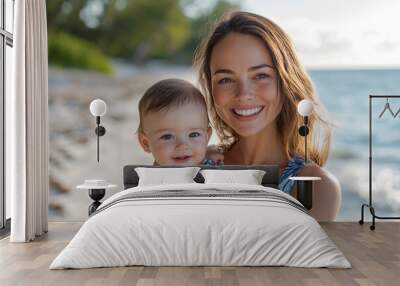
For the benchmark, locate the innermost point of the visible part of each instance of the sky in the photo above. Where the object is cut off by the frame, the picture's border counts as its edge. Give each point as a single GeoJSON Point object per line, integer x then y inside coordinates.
{"type": "Point", "coordinates": [338, 33]}
{"type": "Point", "coordinates": [327, 33]}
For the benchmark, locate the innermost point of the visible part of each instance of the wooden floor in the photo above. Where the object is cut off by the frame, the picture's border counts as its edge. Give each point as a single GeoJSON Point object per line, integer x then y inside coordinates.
{"type": "Point", "coordinates": [374, 255]}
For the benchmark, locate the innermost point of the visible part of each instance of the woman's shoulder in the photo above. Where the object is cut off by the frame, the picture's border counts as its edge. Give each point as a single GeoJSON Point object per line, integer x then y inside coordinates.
{"type": "Point", "coordinates": [327, 193]}
{"type": "Point", "coordinates": [328, 180]}
{"type": "Point", "coordinates": [315, 170]}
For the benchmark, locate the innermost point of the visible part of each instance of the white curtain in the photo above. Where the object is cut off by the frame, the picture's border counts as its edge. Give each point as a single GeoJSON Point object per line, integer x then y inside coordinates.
{"type": "Point", "coordinates": [26, 123]}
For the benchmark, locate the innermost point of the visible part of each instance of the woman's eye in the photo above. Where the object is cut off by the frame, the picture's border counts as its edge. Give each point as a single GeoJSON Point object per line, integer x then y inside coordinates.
{"type": "Point", "coordinates": [262, 76]}
{"type": "Point", "coordinates": [194, 134]}
{"type": "Point", "coordinates": [225, 80]}
{"type": "Point", "coordinates": [166, 137]}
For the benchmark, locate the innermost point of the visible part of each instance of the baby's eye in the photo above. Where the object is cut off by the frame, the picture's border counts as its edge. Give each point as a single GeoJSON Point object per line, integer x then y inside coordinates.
{"type": "Point", "coordinates": [167, 137]}
{"type": "Point", "coordinates": [194, 134]}
{"type": "Point", "coordinates": [262, 76]}
{"type": "Point", "coordinates": [225, 80]}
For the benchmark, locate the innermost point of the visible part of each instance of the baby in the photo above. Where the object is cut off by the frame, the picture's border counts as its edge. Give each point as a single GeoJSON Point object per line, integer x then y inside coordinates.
{"type": "Point", "coordinates": [173, 123]}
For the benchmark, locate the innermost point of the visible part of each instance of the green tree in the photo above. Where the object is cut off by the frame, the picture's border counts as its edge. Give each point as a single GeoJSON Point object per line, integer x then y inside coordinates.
{"type": "Point", "coordinates": [64, 15]}
{"type": "Point", "coordinates": [136, 30]}
{"type": "Point", "coordinates": [68, 51]}
{"type": "Point", "coordinates": [143, 29]}
{"type": "Point", "coordinates": [202, 25]}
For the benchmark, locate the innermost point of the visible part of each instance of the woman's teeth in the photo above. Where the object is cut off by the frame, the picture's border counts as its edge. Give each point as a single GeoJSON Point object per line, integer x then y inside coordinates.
{"type": "Point", "coordinates": [248, 112]}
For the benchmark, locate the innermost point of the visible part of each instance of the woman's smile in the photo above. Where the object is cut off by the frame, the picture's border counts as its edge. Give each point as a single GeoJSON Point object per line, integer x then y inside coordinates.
{"type": "Point", "coordinates": [247, 113]}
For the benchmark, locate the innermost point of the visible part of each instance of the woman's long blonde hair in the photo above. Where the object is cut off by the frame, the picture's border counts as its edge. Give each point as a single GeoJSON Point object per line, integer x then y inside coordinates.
{"type": "Point", "coordinates": [294, 85]}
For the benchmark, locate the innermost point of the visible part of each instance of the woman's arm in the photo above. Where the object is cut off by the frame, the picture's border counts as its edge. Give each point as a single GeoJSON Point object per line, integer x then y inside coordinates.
{"type": "Point", "coordinates": [327, 194]}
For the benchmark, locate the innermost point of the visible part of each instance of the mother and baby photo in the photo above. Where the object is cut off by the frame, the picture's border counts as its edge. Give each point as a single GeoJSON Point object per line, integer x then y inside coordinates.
{"type": "Point", "coordinates": [251, 82]}
{"type": "Point", "coordinates": [221, 87]}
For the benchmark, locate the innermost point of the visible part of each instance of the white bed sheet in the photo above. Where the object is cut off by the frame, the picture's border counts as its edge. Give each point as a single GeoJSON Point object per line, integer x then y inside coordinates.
{"type": "Point", "coordinates": [192, 231]}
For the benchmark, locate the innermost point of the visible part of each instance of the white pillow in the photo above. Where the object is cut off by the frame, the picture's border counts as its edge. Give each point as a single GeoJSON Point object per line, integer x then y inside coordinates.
{"type": "Point", "coordinates": [163, 176]}
{"type": "Point", "coordinates": [248, 177]}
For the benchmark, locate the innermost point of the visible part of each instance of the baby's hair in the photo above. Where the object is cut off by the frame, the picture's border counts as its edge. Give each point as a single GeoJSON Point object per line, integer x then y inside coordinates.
{"type": "Point", "coordinates": [168, 93]}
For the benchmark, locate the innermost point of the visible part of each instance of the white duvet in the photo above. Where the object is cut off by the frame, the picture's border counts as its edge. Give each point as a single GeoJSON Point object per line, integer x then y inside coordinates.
{"type": "Point", "coordinates": [182, 231]}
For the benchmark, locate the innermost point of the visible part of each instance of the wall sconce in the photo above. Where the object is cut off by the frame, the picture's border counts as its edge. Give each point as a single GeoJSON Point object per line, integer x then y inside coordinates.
{"type": "Point", "coordinates": [98, 108]}
{"type": "Point", "coordinates": [305, 184]}
{"type": "Point", "coordinates": [305, 108]}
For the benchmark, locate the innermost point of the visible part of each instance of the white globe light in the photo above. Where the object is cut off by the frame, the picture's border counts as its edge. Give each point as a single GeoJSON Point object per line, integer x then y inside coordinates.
{"type": "Point", "coordinates": [305, 107]}
{"type": "Point", "coordinates": [98, 107]}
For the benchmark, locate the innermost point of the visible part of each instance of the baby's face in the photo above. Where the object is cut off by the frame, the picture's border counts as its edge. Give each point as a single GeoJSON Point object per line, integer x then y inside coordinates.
{"type": "Point", "coordinates": [177, 135]}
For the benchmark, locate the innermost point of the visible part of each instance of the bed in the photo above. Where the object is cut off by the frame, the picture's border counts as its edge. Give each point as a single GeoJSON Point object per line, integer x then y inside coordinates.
{"type": "Point", "coordinates": [201, 224]}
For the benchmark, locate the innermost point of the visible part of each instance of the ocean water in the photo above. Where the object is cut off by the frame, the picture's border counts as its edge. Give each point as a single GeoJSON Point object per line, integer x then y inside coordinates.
{"type": "Point", "coordinates": [345, 94]}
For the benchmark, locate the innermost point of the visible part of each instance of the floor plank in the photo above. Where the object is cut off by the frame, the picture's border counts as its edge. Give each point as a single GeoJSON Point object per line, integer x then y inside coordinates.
{"type": "Point", "coordinates": [374, 255]}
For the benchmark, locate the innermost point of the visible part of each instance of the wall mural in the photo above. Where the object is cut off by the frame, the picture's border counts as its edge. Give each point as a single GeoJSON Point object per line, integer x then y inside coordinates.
{"type": "Point", "coordinates": [244, 111]}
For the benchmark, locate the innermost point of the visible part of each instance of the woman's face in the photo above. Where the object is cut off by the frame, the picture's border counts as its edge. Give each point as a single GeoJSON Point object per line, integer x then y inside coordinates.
{"type": "Point", "coordinates": [244, 84]}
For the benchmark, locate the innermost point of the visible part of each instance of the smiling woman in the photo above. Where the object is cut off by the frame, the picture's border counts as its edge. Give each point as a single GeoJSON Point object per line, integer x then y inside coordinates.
{"type": "Point", "coordinates": [253, 81]}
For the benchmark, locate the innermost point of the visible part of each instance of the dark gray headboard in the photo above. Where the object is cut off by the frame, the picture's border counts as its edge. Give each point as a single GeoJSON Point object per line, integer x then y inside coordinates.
{"type": "Point", "coordinates": [270, 179]}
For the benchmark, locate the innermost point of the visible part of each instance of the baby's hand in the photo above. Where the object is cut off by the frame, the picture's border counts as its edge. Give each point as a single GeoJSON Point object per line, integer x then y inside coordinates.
{"type": "Point", "coordinates": [214, 154]}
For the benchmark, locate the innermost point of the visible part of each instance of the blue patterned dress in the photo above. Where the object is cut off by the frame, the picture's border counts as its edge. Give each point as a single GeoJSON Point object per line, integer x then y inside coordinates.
{"type": "Point", "coordinates": [292, 169]}
{"type": "Point", "coordinates": [210, 162]}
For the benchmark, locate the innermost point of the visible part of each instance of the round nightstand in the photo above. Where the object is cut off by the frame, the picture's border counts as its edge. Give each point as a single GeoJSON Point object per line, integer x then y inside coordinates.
{"type": "Point", "coordinates": [96, 190]}
{"type": "Point", "coordinates": [304, 189]}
